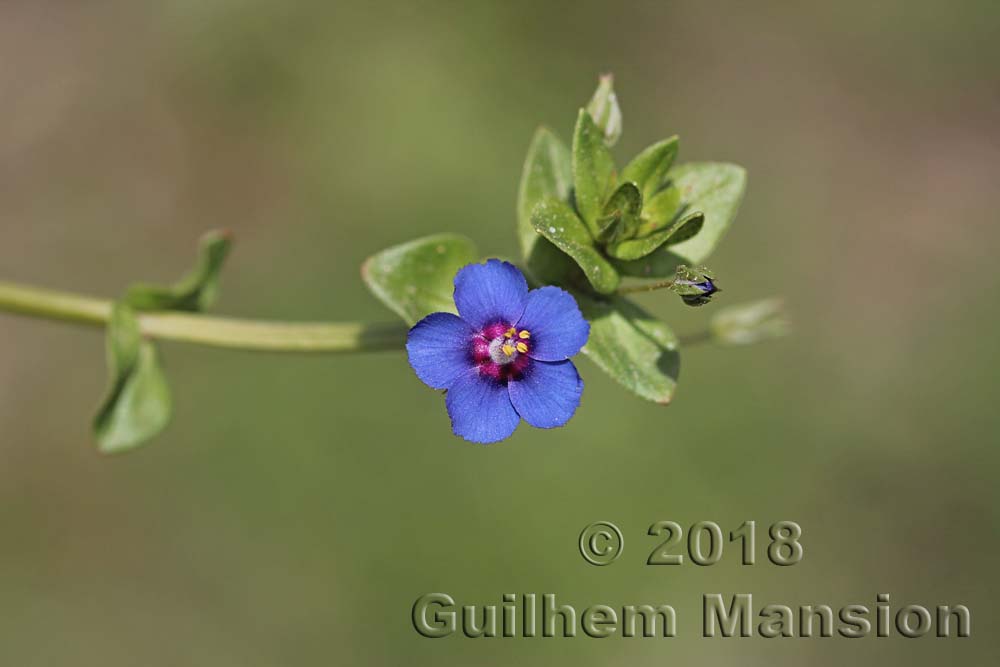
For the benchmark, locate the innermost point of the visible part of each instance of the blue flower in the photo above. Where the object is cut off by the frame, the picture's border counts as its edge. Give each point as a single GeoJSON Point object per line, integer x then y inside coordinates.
{"type": "Point", "coordinates": [505, 356]}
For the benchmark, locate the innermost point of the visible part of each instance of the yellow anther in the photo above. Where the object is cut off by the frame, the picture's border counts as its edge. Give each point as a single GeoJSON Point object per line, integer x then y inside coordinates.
{"type": "Point", "coordinates": [522, 347]}
{"type": "Point", "coordinates": [525, 334]}
{"type": "Point", "coordinates": [510, 332]}
{"type": "Point", "coordinates": [508, 349]}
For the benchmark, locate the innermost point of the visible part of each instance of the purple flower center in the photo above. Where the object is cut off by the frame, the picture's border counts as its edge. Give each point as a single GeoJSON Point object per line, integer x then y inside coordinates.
{"type": "Point", "coordinates": [500, 351]}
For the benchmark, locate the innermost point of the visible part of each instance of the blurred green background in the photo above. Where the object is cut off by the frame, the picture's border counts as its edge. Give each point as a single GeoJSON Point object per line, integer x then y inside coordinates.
{"type": "Point", "coordinates": [299, 505]}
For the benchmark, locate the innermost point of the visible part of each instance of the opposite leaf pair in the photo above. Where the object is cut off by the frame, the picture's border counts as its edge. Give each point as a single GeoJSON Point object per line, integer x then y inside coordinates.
{"type": "Point", "coordinates": [137, 405]}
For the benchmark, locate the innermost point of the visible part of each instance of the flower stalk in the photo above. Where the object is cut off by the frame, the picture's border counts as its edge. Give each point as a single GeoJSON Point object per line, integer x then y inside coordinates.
{"type": "Point", "coordinates": [647, 287]}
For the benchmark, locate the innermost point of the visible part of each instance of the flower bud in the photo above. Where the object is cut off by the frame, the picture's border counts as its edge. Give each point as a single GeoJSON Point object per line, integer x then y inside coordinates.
{"type": "Point", "coordinates": [695, 286]}
{"type": "Point", "coordinates": [603, 108]}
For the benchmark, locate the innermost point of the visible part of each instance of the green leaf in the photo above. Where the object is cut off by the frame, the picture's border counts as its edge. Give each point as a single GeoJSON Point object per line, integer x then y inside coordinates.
{"type": "Point", "coordinates": [547, 173]}
{"type": "Point", "coordinates": [684, 228]}
{"type": "Point", "coordinates": [649, 168]}
{"type": "Point", "coordinates": [557, 222]}
{"type": "Point", "coordinates": [122, 340]}
{"type": "Point", "coordinates": [416, 278]}
{"type": "Point", "coordinates": [658, 264]}
{"type": "Point", "coordinates": [715, 189]}
{"type": "Point", "coordinates": [138, 404]}
{"type": "Point", "coordinates": [593, 170]}
{"type": "Point", "coordinates": [632, 346]}
{"type": "Point", "coordinates": [659, 211]}
{"type": "Point", "coordinates": [194, 292]}
{"type": "Point", "coordinates": [621, 214]}
{"type": "Point", "coordinates": [603, 108]}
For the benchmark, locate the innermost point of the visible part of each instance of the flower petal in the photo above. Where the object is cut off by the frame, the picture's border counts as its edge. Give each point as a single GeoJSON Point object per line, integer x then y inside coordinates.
{"type": "Point", "coordinates": [557, 327]}
{"type": "Point", "coordinates": [480, 408]}
{"type": "Point", "coordinates": [491, 292]}
{"type": "Point", "coordinates": [547, 394]}
{"type": "Point", "coordinates": [439, 347]}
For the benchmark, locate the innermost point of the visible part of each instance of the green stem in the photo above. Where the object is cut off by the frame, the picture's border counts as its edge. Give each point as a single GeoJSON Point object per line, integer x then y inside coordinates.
{"type": "Point", "coordinates": [205, 330]}
{"type": "Point", "coordinates": [648, 287]}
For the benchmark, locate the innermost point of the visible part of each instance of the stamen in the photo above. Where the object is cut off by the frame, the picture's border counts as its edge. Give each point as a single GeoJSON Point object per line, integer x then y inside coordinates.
{"type": "Point", "coordinates": [501, 352]}
{"type": "Point", "coordinates": [507, 345]}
